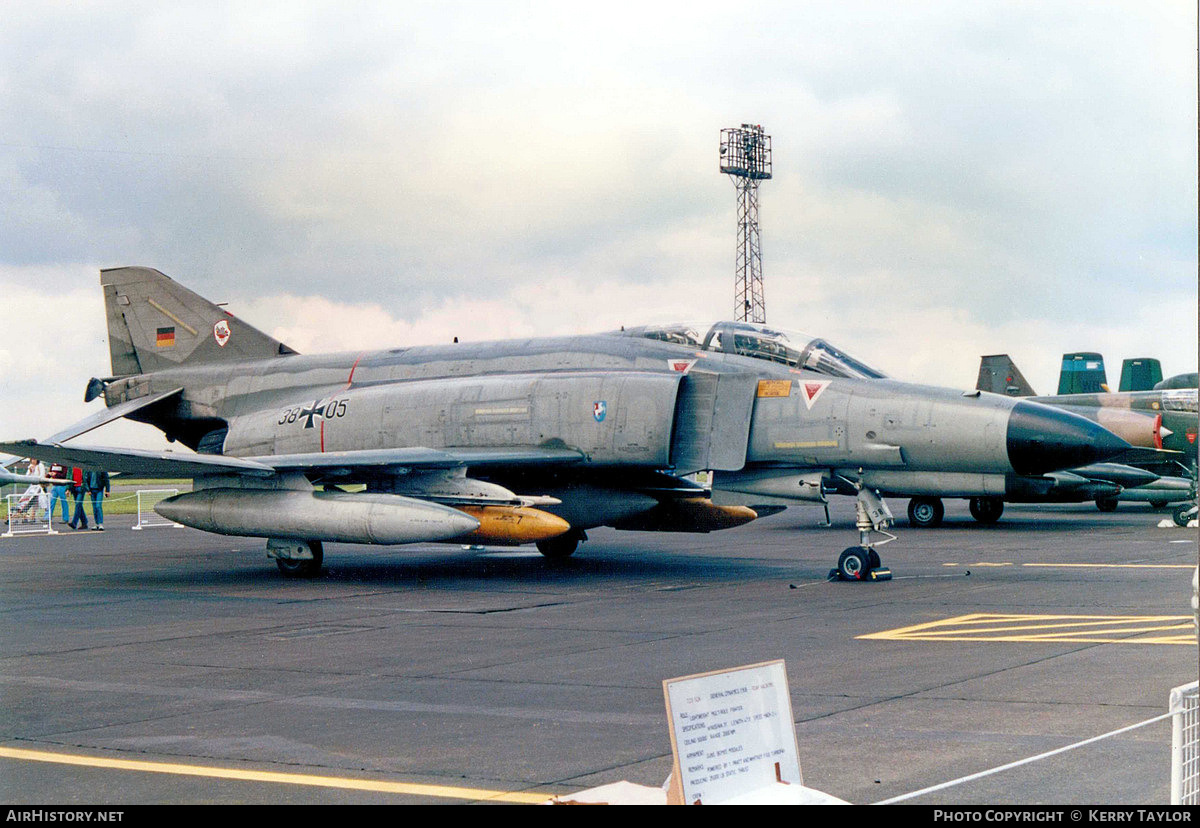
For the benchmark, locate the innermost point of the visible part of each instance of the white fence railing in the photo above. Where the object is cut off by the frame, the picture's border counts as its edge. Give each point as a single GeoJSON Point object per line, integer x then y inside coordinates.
{"type": "Point", "coordinates": [1185, 744]}
{"type": "Point", "coordinates": [146, 516]}
{"type": "Point", "coordinates": [22, 512]}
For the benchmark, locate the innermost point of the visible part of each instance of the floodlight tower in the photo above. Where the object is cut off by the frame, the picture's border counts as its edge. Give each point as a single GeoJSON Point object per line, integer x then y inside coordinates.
{"type": "Point", "coordinates": [746, 159]}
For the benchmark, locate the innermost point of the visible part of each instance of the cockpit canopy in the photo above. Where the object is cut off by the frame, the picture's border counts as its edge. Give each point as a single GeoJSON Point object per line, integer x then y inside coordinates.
{"type": "Point", "coordinates": [1180, 399]}
{"type": "Point", "coordinates": [750, 339]}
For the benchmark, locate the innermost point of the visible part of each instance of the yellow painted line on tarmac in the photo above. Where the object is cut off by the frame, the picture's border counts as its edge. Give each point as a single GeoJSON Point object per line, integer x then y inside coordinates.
{"type": "Point", "coordinates": [377, 786]}
{"type": "Point", "coordinates": [1080, 565]}
{"type": "Point", "coordinates": [1042, 629]}
{"type": "Point", "coordinates": [1115, 566]}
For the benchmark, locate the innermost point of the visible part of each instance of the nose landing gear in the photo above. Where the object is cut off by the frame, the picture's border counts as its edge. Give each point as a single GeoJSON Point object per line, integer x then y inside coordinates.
{"type": "Point", "coordinates": [862, 562]}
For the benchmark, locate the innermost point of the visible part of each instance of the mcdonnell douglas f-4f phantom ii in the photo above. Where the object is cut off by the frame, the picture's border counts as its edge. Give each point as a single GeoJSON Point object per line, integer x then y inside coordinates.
{"type": "Point", "coordinates": [528, 440]}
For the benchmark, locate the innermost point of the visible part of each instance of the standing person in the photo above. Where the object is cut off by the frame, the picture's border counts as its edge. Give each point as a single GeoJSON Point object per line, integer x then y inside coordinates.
{"type": "Point", "coordinates": [58, 491]}
{"type": "Point", "coordinates": [34, 498]}
{"type": "Point", "coordinates": [97, 484]}
{"type": "Point", "coordinates": [79, 518]}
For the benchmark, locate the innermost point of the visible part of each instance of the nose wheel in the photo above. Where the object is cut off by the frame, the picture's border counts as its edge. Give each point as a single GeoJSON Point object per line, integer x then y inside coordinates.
{"type": "Point", "coordinates": [858, 563]}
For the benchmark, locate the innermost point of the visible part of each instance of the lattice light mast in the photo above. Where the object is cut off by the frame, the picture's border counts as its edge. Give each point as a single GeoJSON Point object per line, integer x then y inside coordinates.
{"type": "Point", "coordinates": [746, 159]}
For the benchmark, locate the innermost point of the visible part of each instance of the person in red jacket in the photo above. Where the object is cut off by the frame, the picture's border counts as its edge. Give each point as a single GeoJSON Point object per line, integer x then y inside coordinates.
{"type": "Point", "coordinates": [79, 519]}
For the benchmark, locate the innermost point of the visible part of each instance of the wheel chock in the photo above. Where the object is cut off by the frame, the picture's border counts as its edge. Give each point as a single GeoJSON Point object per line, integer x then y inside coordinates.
{"type": "Point", "coordinates": [879, 574]}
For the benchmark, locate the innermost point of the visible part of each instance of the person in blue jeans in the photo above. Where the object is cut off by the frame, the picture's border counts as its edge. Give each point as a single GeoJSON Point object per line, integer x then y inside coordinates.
{"type": "Point", "coordinates": [58, 491]}
{"type": "Point", "coordinates": [96, 483]}
{"type": "Point", "coordinates": [79, 517]}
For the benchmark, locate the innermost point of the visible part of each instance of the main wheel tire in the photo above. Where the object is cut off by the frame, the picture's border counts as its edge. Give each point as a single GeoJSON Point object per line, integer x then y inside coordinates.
{"type": "Point", "coordinates": [1182, 513]}
{"type": "Point", "coordinates": [303, 568]}
{"type": "Point", "coordinates": [855, 563]}
{"type": "Point", "coordinates": [1106, 504]}
{"type": "Point", "coordinates": [987, 509]}
{"type": "Point", "coordinates": [559, 548]}
{"type": "Point", "coordinates": [925, 512]}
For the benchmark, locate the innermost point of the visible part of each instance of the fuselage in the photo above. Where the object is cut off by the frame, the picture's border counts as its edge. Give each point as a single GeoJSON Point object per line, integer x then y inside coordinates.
{"type": "Point", "coordinates": [621, 400]}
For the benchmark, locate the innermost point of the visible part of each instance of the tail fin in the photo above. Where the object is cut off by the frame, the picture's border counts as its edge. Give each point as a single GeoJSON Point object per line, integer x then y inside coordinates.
{"type": "Point", "coordinates": [1140, 374]}
{"type": "Point", "coordinates": [1082, 373]}
{"type": "Point", "coordinates": [154, 323]}
{"type": "Point", "coordinates": [999, 375]}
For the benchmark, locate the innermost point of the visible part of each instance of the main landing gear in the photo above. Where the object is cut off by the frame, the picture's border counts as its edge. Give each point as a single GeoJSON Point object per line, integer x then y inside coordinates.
{"type": "Point", "coordinates": [1184, 513]}
{"type": "Point", "coordinates": [925, 512]}
{"type": "Point", "coordinates": [928, 512]}
{"type": "Point", "coordinates": [987, 510]}
{"type": "Point", "coordinates": [562, 547]}
{"type": "Point", "coordinates": [862, 562]}
{"type": "Point", "coordinates": [296, 558]}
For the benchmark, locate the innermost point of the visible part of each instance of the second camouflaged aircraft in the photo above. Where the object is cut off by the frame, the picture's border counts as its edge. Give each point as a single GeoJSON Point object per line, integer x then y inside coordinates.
{"type": "Point", "coordinates": [531, 440]}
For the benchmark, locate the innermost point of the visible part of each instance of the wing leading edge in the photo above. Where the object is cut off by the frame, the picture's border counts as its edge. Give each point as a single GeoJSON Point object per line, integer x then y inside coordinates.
{"type": "Point", "coordinates": [167, 464]}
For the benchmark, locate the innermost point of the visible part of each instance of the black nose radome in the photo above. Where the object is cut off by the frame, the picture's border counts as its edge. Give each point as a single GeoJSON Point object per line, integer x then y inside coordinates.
{"type": "Point", "coordinates": [1043, 439]}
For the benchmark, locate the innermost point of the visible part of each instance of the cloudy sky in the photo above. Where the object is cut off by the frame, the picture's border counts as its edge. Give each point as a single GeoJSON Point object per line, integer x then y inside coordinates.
{"type": "Point", "coordinates": [951, 179]}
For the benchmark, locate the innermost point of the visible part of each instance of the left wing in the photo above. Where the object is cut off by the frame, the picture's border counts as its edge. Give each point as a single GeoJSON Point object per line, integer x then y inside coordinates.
{"type": "Point", "coordinates": [396, 461]}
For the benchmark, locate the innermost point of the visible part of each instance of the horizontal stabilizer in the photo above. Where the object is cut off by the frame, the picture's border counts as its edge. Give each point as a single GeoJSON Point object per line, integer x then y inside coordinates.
{"type": "Point", "coordinates": [108, 415]}
{"type": "Point", "coordinates": [152, 464]}
{"type": "Point", "coordinates": [98, 419]}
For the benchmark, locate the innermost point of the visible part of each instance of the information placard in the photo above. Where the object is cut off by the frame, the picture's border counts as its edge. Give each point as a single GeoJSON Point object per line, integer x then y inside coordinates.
{"type": "Point", "coordinates": [729, 730]}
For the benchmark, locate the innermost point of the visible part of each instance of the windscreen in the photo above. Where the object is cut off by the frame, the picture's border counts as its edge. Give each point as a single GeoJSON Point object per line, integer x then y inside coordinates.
{"type": "Point", "coordinates": [1183, 399]}
{"type": "Point", "coordinates": [786, 347]}
{"type": "Point", "coordinates": [792, 348]}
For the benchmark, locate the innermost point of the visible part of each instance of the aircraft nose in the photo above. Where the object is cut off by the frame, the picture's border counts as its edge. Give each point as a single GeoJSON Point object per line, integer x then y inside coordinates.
{"type": "Point", "coordinates": [1043, 439]}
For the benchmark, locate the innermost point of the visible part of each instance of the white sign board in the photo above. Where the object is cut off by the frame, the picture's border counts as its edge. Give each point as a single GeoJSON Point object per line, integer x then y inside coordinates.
{"type": "Point", "coordinates": [730, 729]}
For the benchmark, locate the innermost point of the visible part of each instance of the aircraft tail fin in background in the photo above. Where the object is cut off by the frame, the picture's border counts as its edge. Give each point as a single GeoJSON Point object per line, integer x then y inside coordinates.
{"type": "Point", "coordinates": [155, 323]}
{"type": "Point", "coordinates": [1140, 374]}
{"type": "Point", "coordinates": [999, 375]}
{"type": "Point", "coordinates": [1082, 373]}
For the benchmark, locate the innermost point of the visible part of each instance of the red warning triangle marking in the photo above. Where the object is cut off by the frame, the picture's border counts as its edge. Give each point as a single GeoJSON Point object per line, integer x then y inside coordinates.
{"type": "Point", "coordinates": [812, 390]}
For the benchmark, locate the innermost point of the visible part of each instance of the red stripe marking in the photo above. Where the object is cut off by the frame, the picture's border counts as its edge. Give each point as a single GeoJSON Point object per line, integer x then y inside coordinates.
{"type": "Point", "coordinates": [350, 379]}
{"type": "Point", "coordinates": [349, 382]}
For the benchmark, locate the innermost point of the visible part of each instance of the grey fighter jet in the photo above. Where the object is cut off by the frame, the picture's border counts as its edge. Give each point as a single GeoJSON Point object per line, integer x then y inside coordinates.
{"type": "Point", "coordinates": [530, 440]}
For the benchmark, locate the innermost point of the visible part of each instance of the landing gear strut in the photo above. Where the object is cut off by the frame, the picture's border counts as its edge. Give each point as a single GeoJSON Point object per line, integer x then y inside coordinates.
{"type": "Point", "coordinates": [296, 558]}
{"type": "Point", "coordinates": [862, 562]}
{"type": "Point", "coordinates": [1183, 513]}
